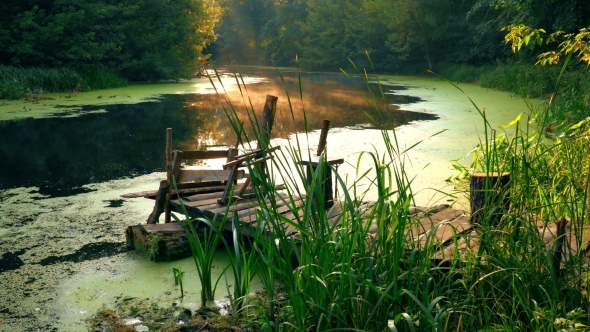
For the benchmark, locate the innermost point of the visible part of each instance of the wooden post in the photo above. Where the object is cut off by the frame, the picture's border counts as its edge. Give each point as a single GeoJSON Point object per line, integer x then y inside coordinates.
{"type": "Point", "coordinates": [160, 201]}
{"type": "Point", "coordinates": [326, 177]}
{"type": "Point", "coordinates": [168, 174]}
{"type": "Point", "coordinates": [323, 137]}
{"type": "Point", "coordinates": [489, 197]}
{"type": "Point", "coordinates": [558, 249]}
{"type": "Point", "coordinates": [268, 118]}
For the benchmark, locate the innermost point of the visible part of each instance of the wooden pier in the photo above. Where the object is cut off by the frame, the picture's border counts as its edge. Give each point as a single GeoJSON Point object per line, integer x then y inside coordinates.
{"type": "Point", "coordinates": [225, 198]}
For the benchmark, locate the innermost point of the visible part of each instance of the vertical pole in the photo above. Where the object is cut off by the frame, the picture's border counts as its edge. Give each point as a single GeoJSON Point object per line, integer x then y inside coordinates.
{"type": "Point", "coordinates": [323, 137]}
{"type": "Point", "coordinates": [326, 176]}
{"type": "Point", "coordinates": [489, 197]}
{"type": "Point", "coordinates": [268, 118]}
{"type": "Point", "coordinates": [168, 174]}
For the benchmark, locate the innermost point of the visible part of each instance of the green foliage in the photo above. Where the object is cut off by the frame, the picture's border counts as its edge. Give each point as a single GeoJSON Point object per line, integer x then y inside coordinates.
{"type": "Point", "coordinates": [401, 35]}
{"type": "Point", "coordinates": [142, 40]}
{"type": "Point", "coordinates": [203, 251]}
{"type": "Point", "coordinates": [178, 275]}
{"type": "Point", "coordinates": [362, 272]}
{"type": "Point", "coordinates": [463, 73]}
{"type": "Point", "coordinates": [522, 79]}
{"type": "Point", "coordinates": [16, 82]}
{"type": "Point", "coordinates": [153, 244]}
{"type": "Point", "coordinates": [282, 35]}
{"type": "Point", "coordinates": [241, 29]}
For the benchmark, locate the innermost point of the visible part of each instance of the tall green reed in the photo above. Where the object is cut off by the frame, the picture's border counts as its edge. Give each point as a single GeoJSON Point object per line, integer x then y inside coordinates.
{"type": "Point", "coordinates": [549, 181]}
{"type": "Point", "coordinates": [345, 274]}
{"type": "Point", "coordinates": [362, 271]}
{"type": "Point", "coordinates": [203, 249]}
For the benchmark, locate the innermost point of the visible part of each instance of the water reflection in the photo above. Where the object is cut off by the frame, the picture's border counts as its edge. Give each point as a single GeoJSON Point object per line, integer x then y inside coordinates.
{"type": "Point", "coordinates": [59, 155]}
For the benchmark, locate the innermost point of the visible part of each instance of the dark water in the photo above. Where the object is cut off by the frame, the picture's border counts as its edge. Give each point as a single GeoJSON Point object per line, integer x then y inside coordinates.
{"type": "Point", "coordinates": [60, 155]}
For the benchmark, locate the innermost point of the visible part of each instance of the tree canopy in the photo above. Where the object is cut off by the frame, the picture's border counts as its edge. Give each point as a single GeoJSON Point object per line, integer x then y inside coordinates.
{"type": "Point", "coordinates": [400, 35]}
{"type": "Point", "coordinates": [142, 39]}
{"type": "Point", "coordinates": [163, 39]}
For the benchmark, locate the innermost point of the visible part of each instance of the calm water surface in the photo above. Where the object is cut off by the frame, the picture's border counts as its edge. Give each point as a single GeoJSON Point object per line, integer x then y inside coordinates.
{"type": "Point", "coordinates": [62, 220]}
{"type": "Point", "coordinates": [59, 155]}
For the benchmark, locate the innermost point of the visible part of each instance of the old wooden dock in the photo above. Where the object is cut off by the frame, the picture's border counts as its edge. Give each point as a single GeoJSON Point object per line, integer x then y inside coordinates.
{"type": "Point", "coordinates": [225, 198]}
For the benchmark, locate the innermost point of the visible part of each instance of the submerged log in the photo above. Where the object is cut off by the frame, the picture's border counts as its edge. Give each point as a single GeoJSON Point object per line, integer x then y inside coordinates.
{"type": "Point", "coordinates": [489, 197]}
{"type": "Point", "coordinates": [164, 242]}
{"type": "Point", "coordinates": [160, 242]}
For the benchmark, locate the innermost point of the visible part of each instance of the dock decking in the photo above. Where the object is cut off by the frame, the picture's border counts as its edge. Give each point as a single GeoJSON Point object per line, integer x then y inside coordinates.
{"type": "Point", "coordinates": [448, 229]}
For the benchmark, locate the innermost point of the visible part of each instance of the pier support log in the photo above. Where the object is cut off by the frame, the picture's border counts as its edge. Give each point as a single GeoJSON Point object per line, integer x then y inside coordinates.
{"type": "Point", "coordinates": [489, 197]}
{"type": "Point", "coordinates": [160, 202]}
{"type": "Point", "coordinates": [161, 242]}
{"type": "Point", "coordinates": [559, 245]}
{"type": "Point", "coordinates": [325, 177]}
{"type": "Point", "coordinates": [165, 242]}
{"type": "Point", "coordinates": [268, 119]}
{"type": "Point", "coordinates": [168, 152]}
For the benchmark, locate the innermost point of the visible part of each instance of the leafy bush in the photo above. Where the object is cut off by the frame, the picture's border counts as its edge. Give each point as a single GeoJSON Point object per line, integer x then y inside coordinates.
{"type": "Point", "coordinates": [16, 82]}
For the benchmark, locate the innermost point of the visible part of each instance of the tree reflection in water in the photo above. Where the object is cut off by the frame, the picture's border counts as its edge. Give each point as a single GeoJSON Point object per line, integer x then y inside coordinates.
{"type": "Point", "coordinates": [61, 154]}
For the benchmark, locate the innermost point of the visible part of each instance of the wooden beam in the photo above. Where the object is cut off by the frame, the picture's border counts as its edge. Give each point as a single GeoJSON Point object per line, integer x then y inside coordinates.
{"type": "Point", "coordinates": [160, 201]}
{"type": "Point", "coordinates": [192, 176]}
{"type": "Point", "coordinates": [168, 152]}
{"type": "Point", "coordinates": [210, 154]}
{"type": "Point", "coordinates": [177, 157]}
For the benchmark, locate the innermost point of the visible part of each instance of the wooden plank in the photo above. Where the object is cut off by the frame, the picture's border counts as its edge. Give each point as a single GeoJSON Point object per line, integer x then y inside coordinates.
{"type": "Point", "coordinates": [176, 163]}
{"type": "Point", "coordinates": [549, 233]}
{"type": "Point", "coordinates": [428, 222]}
{"type": "Point", "coordinates": [315, 160]}
{"type": "Point", "coordinates": [206, 203]}
{"type": "Point", "coordinates": [237, 206]}
{"type": "Point", "coordinates": [248, 218]}
{"type": "Point", "coordinates": [208, 154]}
{"type": "Point", "coordinates": [163, 228]}
{"type": "Point", "coordinates": [204, 175]}
{"type": "Point", "coordinates": [467, 245]}
{"type": "Point", "coordinates": [206, 188]}
{"type": "Point", "coordinates": [323, 137]}
{"type": "Point", "coordinates": [333, 216]}
{"type": "Point", "coordinates": [159, 205]}
{"type": "Point", "coordinates": [171, 246]}
{"type": "Point", "coordinates": [208, 196]}
{"type": "Point", "coordinates": [253, 156]}
{"type": "Point", "coordinates": [444, 231]}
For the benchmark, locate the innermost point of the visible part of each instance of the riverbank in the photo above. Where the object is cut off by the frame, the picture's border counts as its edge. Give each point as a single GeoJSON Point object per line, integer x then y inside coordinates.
{"type": "Point", "coordinates": [72, 248]}
{"type": "Point", "coordinates": [33, 83]}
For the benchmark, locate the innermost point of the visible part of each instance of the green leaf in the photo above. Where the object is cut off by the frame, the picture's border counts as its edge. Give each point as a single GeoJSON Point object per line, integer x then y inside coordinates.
{"type": "Point", "coordinates": [512, 123]}
{"type": "Point", "coordinates": [577, 125]}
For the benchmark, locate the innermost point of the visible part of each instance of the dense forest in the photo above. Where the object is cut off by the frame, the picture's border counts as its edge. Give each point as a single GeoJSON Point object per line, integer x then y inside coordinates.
{"type": "Point", "coordinates": [140, 39]}
{"type": "Point", "coordinates": [398, 34]}
{"type": "Point", "coordinates": [167, 39]}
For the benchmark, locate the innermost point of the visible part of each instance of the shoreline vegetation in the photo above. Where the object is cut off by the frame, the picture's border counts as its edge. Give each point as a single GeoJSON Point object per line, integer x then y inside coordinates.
{"type": "Point", "coordinates": [18, 83]}
{"type": "Point", "coordinates": [363, 273]}
{"type": "Point", "coordinates": [518, 77]}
